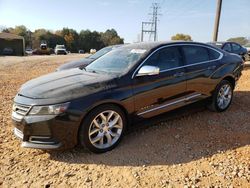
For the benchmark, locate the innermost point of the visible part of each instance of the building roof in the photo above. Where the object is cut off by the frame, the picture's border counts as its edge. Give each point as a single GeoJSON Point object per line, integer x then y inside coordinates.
{"type": "Point", "coordinates": [10, 36]}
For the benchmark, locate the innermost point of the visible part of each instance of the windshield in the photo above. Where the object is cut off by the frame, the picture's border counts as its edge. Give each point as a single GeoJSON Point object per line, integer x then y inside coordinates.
{"type": "Point", "coordinates": [100, 53]}
{"type": "Point", "coordinates": [117, 61]}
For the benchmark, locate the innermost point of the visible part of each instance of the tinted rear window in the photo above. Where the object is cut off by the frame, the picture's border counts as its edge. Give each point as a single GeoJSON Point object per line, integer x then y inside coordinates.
{"type": "Point", "coordinates": [213, 55]}
{"type": "Point", "coordinates": [195, 54]}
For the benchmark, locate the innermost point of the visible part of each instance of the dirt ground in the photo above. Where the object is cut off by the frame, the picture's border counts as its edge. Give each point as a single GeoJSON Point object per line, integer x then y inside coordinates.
{"type": "Point", "coordinates": [191, 147]}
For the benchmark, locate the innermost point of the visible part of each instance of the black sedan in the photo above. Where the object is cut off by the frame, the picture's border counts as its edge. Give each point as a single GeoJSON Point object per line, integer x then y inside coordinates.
{"type": "Point", "coordinates": [86, 61]}
{"type": "Point", "coordinates": [94, 106]}
{"type": "Point", "coordinates": [231, 47]}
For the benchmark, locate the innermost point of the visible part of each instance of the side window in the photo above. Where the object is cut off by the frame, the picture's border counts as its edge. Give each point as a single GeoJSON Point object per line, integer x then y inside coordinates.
{"type": "Point", "coordinates": [195, 54]}
{"type": "Point", "coordinates": [236, 47]}
{"type": "Point", "coordinates": [167, 58]}
{"type": "Point", "coordinates": [213, 55]}
{"type": "Point", "coordinates": [227, 47]}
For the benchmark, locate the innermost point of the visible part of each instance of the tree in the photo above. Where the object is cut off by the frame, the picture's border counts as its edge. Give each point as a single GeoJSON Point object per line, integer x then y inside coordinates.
{"type": "Point", "coordinates": [73, 40]}
{"type": "Point", "coordinates": [240, 40]}
{"type": "Point", "coordinates": [181, 36]}
{"type": "Point", "coordinates": [89, 40]}
{"type": "Point", "coordinates": [110, 37]}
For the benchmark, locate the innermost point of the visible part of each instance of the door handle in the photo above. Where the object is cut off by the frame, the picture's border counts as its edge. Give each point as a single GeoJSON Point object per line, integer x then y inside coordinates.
{"type": "Point", "coordinates": [179, 74]}
{"type": "Point", "coordinates": [211, 67]}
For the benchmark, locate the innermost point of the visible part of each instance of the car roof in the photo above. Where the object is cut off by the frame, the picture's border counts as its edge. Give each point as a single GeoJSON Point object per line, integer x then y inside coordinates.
{"type": "Point", "coordinates": [154, 45]}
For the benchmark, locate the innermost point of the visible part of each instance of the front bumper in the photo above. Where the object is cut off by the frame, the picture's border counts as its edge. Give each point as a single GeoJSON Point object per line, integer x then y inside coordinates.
{"type": "Point", "coordinates": [46, 131]}
{"type": "Point", "coordinates": [35, 144]}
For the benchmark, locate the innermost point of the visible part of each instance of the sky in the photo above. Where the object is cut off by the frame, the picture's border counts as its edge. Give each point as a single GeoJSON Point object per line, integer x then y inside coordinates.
{"type": "Point", "coordinates": [193, 17]}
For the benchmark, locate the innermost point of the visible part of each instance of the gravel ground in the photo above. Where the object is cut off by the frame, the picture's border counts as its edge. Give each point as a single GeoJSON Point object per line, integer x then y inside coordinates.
{"type": "Point", "coordinates": [190, 147]}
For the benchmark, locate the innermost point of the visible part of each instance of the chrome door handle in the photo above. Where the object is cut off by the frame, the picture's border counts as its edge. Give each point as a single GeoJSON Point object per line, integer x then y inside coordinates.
{"type": "Point", "coordinates": [179, 74]}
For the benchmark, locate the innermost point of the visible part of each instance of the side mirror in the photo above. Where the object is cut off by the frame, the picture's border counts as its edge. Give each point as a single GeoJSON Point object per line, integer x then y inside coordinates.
{"type": "Point", "coordinates": [148, 71]}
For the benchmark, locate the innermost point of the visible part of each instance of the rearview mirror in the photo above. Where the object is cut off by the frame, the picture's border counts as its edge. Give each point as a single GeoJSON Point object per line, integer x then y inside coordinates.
{"type": "Point", "coordinates": [148, 71]}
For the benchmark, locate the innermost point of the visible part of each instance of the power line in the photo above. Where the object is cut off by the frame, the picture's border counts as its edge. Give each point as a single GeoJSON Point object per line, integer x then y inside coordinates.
{"type": "Point", "coordinates": [153, 24]}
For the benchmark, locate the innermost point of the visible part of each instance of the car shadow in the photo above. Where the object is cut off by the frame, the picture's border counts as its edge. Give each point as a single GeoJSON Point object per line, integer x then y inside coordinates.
{"type": "Point", "coordinates": [181, 136]}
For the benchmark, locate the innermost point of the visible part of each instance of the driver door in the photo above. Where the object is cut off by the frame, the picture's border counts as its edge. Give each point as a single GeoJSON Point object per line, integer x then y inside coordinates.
{"type": "Point", "coordinates": [156, 94]}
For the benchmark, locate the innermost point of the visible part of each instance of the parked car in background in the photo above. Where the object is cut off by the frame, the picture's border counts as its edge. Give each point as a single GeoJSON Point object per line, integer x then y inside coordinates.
{"type": "Point", "coordinates": [85, 61]}
{"type": "Point", "coordinates": [8, 51]}
{"type": "Point", "coordinates": [43, 50]}
{"type": "Point", "coordinates": [92, 51]}
{"type": "Point", "coordinates": [28, 51]}
{"type": "Point", "coordinates": [60, 50]}
{"type": "Point", "coordinates": [95, 105]}
{"type": "Point", "coordinates": [81, 51]}
{"type": "Point", "coordinates": [247, 46]}
{"type": "Point", "coordinates": [231, 47]}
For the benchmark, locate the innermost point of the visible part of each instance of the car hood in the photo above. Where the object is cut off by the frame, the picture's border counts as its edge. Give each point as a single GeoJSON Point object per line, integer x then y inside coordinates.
{"type": "Point", "coordinates": [65, 85]}
{"type": "Point", "coordinates": [75, 64]}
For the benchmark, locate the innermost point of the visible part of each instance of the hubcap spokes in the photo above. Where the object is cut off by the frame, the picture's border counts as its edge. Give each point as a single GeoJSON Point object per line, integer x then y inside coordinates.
{"type": "Point", "coordinates": [105, 129]}
{"type": "Point", "coordinates": [225, 96]}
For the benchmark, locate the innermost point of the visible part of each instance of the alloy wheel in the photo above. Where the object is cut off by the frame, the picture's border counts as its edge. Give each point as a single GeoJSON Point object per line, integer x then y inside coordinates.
{"type": "Point", "coordinates": [105, 129]}
{"type": "Point", "coordinates": [224, 96]}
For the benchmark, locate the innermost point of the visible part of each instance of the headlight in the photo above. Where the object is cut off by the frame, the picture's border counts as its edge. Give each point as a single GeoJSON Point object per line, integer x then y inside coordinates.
{"type": "Point", "coordinates": [49, 110]}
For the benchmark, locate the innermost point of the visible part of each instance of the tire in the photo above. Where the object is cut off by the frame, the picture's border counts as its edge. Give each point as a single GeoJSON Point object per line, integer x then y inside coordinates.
{"type": "Point", "coordinates": [216, 104]}
{"type": "Point", "coordinates": [99, 135]}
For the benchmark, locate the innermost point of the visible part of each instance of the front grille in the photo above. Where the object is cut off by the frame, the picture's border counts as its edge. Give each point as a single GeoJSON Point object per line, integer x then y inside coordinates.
{"type": "Point", "coordinates": [21, 109]}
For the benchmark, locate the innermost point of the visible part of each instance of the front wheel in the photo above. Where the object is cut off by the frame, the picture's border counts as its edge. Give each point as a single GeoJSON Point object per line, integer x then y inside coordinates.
{"type": "Point", "coordinates": [222, 97]}
{"type": "Point", "coordinates": [102, 129]}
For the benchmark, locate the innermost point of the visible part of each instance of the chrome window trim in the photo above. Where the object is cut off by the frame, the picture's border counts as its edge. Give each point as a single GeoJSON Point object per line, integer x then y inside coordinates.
{"type": "Point", "coordinates": [174, 45]}
{"type": "Point", "coordinates": [169, 104]}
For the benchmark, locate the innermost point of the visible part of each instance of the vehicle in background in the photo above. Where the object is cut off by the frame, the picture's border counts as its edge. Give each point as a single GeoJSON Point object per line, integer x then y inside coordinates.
{"type": "Point", "coordinates": [8, 51]}
{"type": "Point", "coordinates": [247, 46]}
{"type": "Point", "coordinates": [81, 51]}
{"type": "Point", "coordinates": [60, 50]}
{"type": "Point", "coordinates": [92, 51]}
{"type": "Point", "coordinates": [231, 47]}
{"type": "Point", "coordinates": [86, 61]}
{"type": "Point", "coordinates": [43, 50]}
{"type": "Point", "coordinates": [93, 107]}
{"type": "Point", "coordinates": [28, 51]}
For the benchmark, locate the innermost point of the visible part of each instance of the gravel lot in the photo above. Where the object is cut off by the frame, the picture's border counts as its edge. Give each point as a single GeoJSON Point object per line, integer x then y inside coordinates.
{"type": "Point", "coordinates": [191, 147]}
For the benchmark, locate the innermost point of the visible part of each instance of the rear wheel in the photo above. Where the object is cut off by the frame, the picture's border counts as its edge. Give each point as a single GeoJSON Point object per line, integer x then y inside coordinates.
{"type": "Point", "coordinates": [102, 129]}
{"type": "Point", "coordinates": [222, 97]}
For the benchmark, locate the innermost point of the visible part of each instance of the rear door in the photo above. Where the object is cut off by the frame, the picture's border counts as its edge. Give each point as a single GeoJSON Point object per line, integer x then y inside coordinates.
{"type": "Point", "coordinates": [227, 47]}
{"type": "Point", "coordinates": [200, 62]}
{"type": "Point", "coordinates": [160, 93]}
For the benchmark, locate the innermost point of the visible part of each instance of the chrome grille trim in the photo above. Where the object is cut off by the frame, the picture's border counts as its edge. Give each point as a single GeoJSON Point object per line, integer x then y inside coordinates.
{"type": "Point", "coordinates": [21, 109]}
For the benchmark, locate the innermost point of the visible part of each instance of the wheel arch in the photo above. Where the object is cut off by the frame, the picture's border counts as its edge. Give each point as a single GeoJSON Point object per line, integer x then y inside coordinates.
{"type": "Point", "coordinates": [231, 79]}
{"type": "Point", "coordinates": [108, 102]}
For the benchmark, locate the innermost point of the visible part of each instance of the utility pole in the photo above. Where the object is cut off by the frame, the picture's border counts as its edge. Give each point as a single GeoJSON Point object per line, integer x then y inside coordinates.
{"type": "Point", "coordinates": [217, 20]}
{"type": "Point", "coordinates": [151, 24]}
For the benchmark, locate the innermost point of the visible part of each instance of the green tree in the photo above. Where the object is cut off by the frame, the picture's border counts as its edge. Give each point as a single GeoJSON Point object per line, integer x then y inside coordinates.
{"type": "Point", "coordinates": [240, 40]}
{"type": "Point", "coordinates": [181, 36]}
{"type": "Point", "coordinates": [111, 37]}
{"type": "Point", "coordinates": [89, 40]}
{"type": "Point", "coordinates": [71, 38]}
